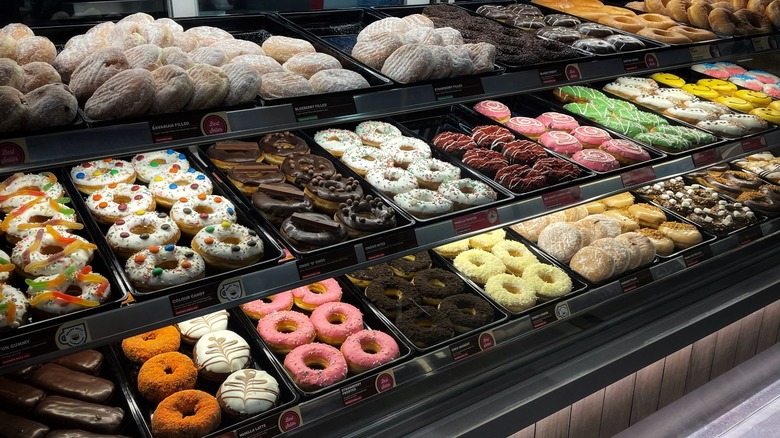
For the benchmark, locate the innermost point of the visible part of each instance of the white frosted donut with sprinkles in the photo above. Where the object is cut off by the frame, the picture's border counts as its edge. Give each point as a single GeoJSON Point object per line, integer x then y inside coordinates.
{"type": "Point", "coordinates": [337, 141]}
{"type": "Point", "coordinates": [49, 252]}
{"type": "Point", "coordinates": [13, 307]}
{"type": "Point", "coordinates": [21, 188]}
{"type": "Point", "coordinates": [116, 201]}
{"type": "Point", "coordinates": [37, 214]}
{"type": "Point", "coordinates": [141, 230]}
{"type": "Point", "coordinates": [391, 180]}
{"type": "Point", "coordinates": [50, 294]}
{"type": "Point", "coordinates": [432, 172]}
{"type": "Point", "coordinates": [423, 203]}
{"type": "Point", "coordinates": [93, 175]}
{"type": "Point", "coordinates": [373, 133]}
{"type": "Point", "coordinates": [196, 213]}
{"type": "Point", "coordinates": [159, 267]}
{"type": "Point", "coordinates": [149, 164]}
{"type": "Point", "coordinates": [361, 159]}
{"type": "Point", "coordinates": [406, 150]}
{"type": "Point", "coordinates": [6, 267]}
{"type": "Point", "coordinates": [228, 245]}
{"type": "Point", "coordinates": [169, 187]}
{"type": "Point", "coordinates": [467, 192]}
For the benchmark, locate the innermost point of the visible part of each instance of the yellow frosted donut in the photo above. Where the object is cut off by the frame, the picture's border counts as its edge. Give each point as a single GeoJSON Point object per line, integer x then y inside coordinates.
{"type": "Point", "coordinates": [548, 282]}
{"type": "Point", "coordinates": [756, 98]}
{"type": "Point", "coordinates": [479, 265]}
{"type": "Point", "coordinates": [669, 79]}
{"type": "Point", "coordinates": [768, 114]}
{"type": "Point", "coordinates": [451, 250]}
{"type": "Point", "coordinates": [487, 240]}
{"type": "Point", "coordinates": [514, 255]}
{"type": "Point", "coordinates": [736, 103]}
{"type": "Point", "coordinates": [702, 91]}
{"type": "Point", "coordinates": [719, 85]}
{"type": "Point", "coordinates": [510, 292]}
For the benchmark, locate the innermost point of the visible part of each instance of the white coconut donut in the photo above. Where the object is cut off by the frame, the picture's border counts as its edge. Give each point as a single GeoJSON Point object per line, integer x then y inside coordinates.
{"type": "Point", "coordinates": [406, 150]}
{"type": "Point", "coordinates": [48, 252]}
{"type": "Point", "coordinates": [49, 294]}
{"type": "Point", "coordinates": [337, 141]}
{"type": "Point", "coordinates": [6, 267]}
{"type": "Point", "coordinates": [13, 307]}
{"type": "Point", "coordinates": [146, 270]}
{"type": "Point", "coordinates": [167, 188]}
{"type": "Point", "coordinates": [194, 214]}
{"type": "Point", "coordinates": [391, 180]}
{"type": "Point", "coordinates": [37, 214]}
{"type": "Point", "coordinates": [228, 245]}
{"type": "Point", "coordinates": [361, 159]}
{"type": "Point", "coordinates": [423, 203]}
{"type": "Point", "coordinates": [116, 201]}
{"type": "Point", "coordinates": [93, 175]}
{"type": "Point", "coordinates": [142, 230]}
{"type": "Point", "coordinates": [149, 164]}
{"type": "Point", "coordinates": [20, 188]}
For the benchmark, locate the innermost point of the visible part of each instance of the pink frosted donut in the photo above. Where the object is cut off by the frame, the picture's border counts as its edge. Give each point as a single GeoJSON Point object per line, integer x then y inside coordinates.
{"type": "Point", "coordinates": [493, 109]}
{"type": "Point", "coordinates": [596, 159]}
{"type": "Point", "coordinates": [527, 126]}
{"type": "Point", "coordinates": [265, 306]}
{"type": "Point", "coordinates": [590, 136]}
{"type": "Point", "coordinates": [286, 330]}
{"type": "Point", "coordinates": [333, 322]}
{"type": "Point", "coordinates": [558, 121]}
{"type": "Point", "coordinates": [772, 90]}
{"type": "Point", "coordinates": [314, 366]}
{"type": "Point", "coordinates": [368, 349]}
{"type": "Point", "coordinates": [561, 142]}
{"type": "Point", "coordinates": [313, 295]}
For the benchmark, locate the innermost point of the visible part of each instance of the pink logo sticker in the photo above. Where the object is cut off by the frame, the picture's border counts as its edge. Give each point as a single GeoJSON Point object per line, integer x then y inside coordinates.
{"type": "Point", "coordinates": [651, 61]}
{"type": "Point", "coordinates": [289, 421]}
{"type": "Point", "coordinates": [213, 125]}
{"type": "Point", "coordinates": [384, 382]}
{"type": "Point", "coordinates": [486, 341]}
{"type": "Point", "coordinates": [11, 154]}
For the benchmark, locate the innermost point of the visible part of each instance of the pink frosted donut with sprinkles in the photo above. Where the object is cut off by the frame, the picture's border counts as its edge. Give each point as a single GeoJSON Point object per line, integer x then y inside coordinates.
{"type": "Point", "coordinates": [169, 187]}
{"type": "Point", "coordinates": [149, 164]}
{"type": "Point", "coordinates": [368, 349]}
{"type": "Point", "coordinates": [141, 230]}
{"type": "Point", "coordinates": [160, 267]}
{"type": "Point", "coordinates": [335, 321]}
{"type": "Point", "coordinates": [194, 214]}
{"type": "Point", "coordinates": [21, 188]}
{"type": "Point", "coordinates": [50, 294]}
{"type": "Point", "coordinates": [94, 175]}
{"type": "Point", "coordinates": [261, 308]}
{"type": "Point", "coordinates": [314, 366]}
{"type": "Point", "coordinates": [116, 201]}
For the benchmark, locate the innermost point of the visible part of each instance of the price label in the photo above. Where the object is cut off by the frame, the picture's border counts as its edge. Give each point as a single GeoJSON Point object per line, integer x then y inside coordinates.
{"type": "Point", "coordinates": [700, 53]}
{"type": "Point", "coordinates": [749, 235]}
{"type": "Point", "coordinates": [368, 387]}
{"type": "Point", "coordinates": [475, 221]}
{"type": "Point", "coordinates": [569, 72]}
{"type": "Point", "coordinates": [638, 62]}
{"type": "Point", "coordinates": [705, 158]}
{"type": "Point", "coordinates": [272, 426]}
{"type": "Point", "coordinates": [464, 87]}
{"type": "Point", "coordinates": [210, 295]}
{"type": "Point", "coordinates": [638, 176]}
{"type": "Point", "coordinates": [13, 152]}
{"type": "Point", "coordinates": [335, 259]}
{"type": "Point", "coordinates": [333, 106]}
{"type": "Point", "coordinates": [473, 345]}
{"type": "Point", "coordinates": [188, 125]}
{"type": "Point", "coordinates": [389, 244]}
{"type": "Point", "coordinates": [637, 280]}
{"type": "Point", "coordinates": [559, 198]}
{"type": "Point", "coordinates": [549, 314]}
{"type": "Point", "coordinates": [47, 340]}
{"type": "Point", "coordinates": [698, 255]}
{"type": "Point", "coordinates": [761, 44]}
{"type": "Point", "coordinates": [753, 143]}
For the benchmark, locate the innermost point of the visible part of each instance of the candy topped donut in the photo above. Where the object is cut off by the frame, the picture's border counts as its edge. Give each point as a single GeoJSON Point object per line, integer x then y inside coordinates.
{"type": "Point", "coordinates": [116, 201]}
{"type": "Point", "coordinates": [149, 164]}
{"type": "Point", "coordinates": [159, 267]}
{"type": "Point", "coordinates": [169, 187]}
{"type": "Point", "coordinates": [373, 133]}
{"type": "Point", "coordinates": [142, 230]}
{"type": "Point", "coordinates": [6, 267]}
{"type": "Point", "coordinates": [21, 188]}
{"type": "Point", "coordinates": [49, 252]}
{"type": "Point", "coordinates": [13, 307]}
{"type": "Point", "coordinates": [228, 245]}
{"type": "Point", "coordinates": [37, 214]}
{"type": "Point", "coordinates": [94, 175]}
{"type": "Point", "coordinates": [51, 294]}
{"type": "Point", "coordinates": [280, 145]}
{"type": "Point", "coordinates": [196, 213]}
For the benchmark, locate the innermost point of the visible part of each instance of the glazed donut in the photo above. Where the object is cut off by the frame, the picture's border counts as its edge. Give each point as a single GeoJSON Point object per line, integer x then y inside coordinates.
{"type": "Point", "coordinates": [337, 141]}
{"type": "Point", "coordinates": [561, 240]}
{"type": "Point", "coordinates": [405, 150]}
{"type": "Point", "coordinates": [657, 6]}
{"type": "Point", "coordinates": [694, 34]}
{"type": "Point", "coordinates": [166, 374]}
{"type": "Point", "coordinates": [228, 246]}
{"type": "Point", "coordinates": [423, 203]}
{"type": "Point", "coordinates": [141, 230]}
{"type": "Point", "coordinates": [49, 252]}
{"type": "Point", "coordinates": [656, 21]}
{"type": "Point", "coordinates": [193, 214]}
{"type": "Point", "coordinates": [143, 347]}
{"type": "Point", "coordinates": [94, 175]}
{"type": "Point", "coordinates": [188, 413]}
{"type": "Point", "coordinates": [627, 23]}
{"type": "Point", "coordinates": [478, 265]}
{"type": "Point", "coordinates": [392, 295]}
{"type": "Point", "coordinates": [374, 133]}
{"type": "Point", "coordinates": [335, 321]}
{"type": "Point", "coordinates": [753, 22]}
{"type": "Point", "coordinates": [431, 172]}
{"type": "Point", "coordinates": [258, 309]}
{"type": "Point", "coordinates": [116, 201]}
{"type": "Point", "coordinates": [38, 214]}
{"type": "Point", "coordinates": [280, 145]}
{"type": "Point", "coordinates": [312, 230]}
{"type": "Point", "coordinates": [547, 281]}
{"type": "Point", "coordinates": [361, 159]}
{"type": "Point", "coordinates": [425, 326]}
{"type": "Point", "coordinates": [52, 295]}
{"type": "Point", "coordinates": [466, 193]}
{"type": "Point", "coordinates": [156, 268]}
{"type": "Point", "coordinates": [758, 6]}
{"type": "Point", "coordinates": [169, 187]}
{"type": "Point", "coordinates": [368, 349]}
{"type": "Point", "coordinates": [363, 277]}
{"type": "Point", "coordinates": [20, 188]}
{"type": "Point", "coordinates": [13, 307]}
{"type": "Point", "coordinates": [314, 366]}
{"type": "Point", "coordinates": [329, 193]}
{"type": "Point", "coordinates": [515, 256]}
{"type": "Point", "coordinates": [456, 143]}
{"type": "Point", "coordinates": [726, 22]}
{"type": "Point", "coordinates": [665, 36]}
{"type": "Point", "coordinates": [149, 164]}
{"type": "Point", "coordinates": [436, 284]}
{"type": "Point", "coordinates": [311, 296]}
{"type": "Point", "coordinates": [218, 354]}
{"type": "Point", "coordinates": [391, 180]}
{"type": "Point", "coordinates": [283, 331]}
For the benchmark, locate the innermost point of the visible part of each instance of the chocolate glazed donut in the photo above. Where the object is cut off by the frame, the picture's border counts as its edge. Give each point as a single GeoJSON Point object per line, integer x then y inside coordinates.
{"type": "Point", "coordinates": [279, 145]}
{"type": "Point", "coordinates": [250, 176]}
{"type": "Point", "coordinates": [365, 216]}
{"type": "Point", "coordinates": [313, 230]}
{"type": "Point", "coordinates": [300, 169]}
{"type": "Point", "coordinates": [278, 201]}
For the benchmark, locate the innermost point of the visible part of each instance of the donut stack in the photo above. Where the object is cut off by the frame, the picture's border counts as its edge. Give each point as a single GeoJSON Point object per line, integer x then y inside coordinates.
{"type": "Point", "coordinates": [508, 271]}
{"type": "Point", "coordinates": [57, 397]}
{"type": "Point", "coordinates": [30, 87]}
{"type": "Point", "coordinates": [765, 165]}
{"type": "Point", "coordinates": [724, 17]}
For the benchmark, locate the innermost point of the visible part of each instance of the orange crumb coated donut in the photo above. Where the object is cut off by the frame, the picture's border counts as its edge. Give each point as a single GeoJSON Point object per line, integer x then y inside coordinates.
{"type": "Point", "coordinates": [143, 347]}
{"type": "Point", "coordinates": [166, 374]}
{"type": "Point", "coordinates": [186, 414]}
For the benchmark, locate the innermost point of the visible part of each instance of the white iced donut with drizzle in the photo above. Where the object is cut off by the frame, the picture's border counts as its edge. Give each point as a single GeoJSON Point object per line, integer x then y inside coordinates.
{"type": "Point", "coordinates": [194, 214]}
{"type": "Point", "coordinates": [219, 354]}
{"type": "Point", "coordinates": [173, 185]}
{"type": "Point", "coordinates": [6, 267]}
{"type": "Point", "coordinates": [53, 294]}
{"type": "Point", "coordinates": [228, 245]}
{"type": "Point", "coordinates": [194, 329]}
{"type": "Point", "coordinates": [149, 164]}
{"type": "Point", "coordinates": [49, 252]}
{"type": "Point", "coordinates": [246, 393]}
{"type": "Point", "coordinates": [93, 175]}
{"type": "Point", "coordinates": [116, 201]}
{"type": "Point", "coordinates": [140, 231]}
{"type": "Point", "coordinates": [20, 188]}
{"type": "Point", "coordinates": [37, 214]}
{"type": "Point", "coordinates": [159, 267]}
{"type": "Point", "coordinates": [13, 307]}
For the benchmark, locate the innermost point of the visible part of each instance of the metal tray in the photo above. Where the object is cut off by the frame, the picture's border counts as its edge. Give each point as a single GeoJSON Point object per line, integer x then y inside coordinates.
{"type": "Point", "coordinates": [502, 193]}
{"type": "Point", "coordinates": [144, 409]}
{"type": "Point", "coordinates": [499, 314]}
{"type": "Point", "coordinates": [213, 278]}
{"type": "Point", "coordinates": [371, 321]}
{"type": "Point", "coordinates": [531, 108]}
{"type": "Point", "coordinates": [102, 263]}
{"type": "Point", "coordinates": [403, 220]}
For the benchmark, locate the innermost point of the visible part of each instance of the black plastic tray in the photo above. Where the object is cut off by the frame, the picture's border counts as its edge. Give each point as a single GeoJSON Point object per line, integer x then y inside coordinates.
{"type": "Point", "coordinates": [502, 194]}
{"type": "Point", "coordinates": [578, 284]}
{"type": "Point", "coordinates": [371, 321]}
{"type": "Point", "coordinates": [404, 221]}
{"type": "Point", "coordinates": [272, 251]}
{"type": "Point", "coordinates": [689, 180]}
{"type": "Point", "coordinates": [260, 360]}
{"type": "Point", "coordinates": [102, 263]}
{"type": "Point", "coordinates": [499, 314]}
{"type": "Point", "coordinates": [733, 163]}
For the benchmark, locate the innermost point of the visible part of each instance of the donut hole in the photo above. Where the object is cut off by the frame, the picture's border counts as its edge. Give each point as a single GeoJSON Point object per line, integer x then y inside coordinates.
{"type": "Point", "coordinates": [315, 363]}
{"type": "Point", "coordinates": [394, 293]}
{"type": "Point", "coordinates": [231, 240]}
{"type": "Point", "coordinates": [142, 229]}
{"type": "Point", "coordinates": [38, 219]}
{"type": "Point", "coordinates": [121, 199]}
{"type": "Point", "coordinates": [423, 322]}
{"type": "Point", "coordinates": [370, 347]}
{"type": "Point", "coordinates": [73, 290]}
{"type": "Point", "coordinates": [50, 249]}
{"type": "Point", "coordinates": [513, 288]}
{"type": "Point", "coordinates": [336, 318]}
{"type": "Point", "coordinates": [316, 288]}
{"type": "Point", "coordinates": [286, 327]}
{"type": "Point", "coordinates": [170, 264]}
{"type": "Point", "coordinates": [203, 209]}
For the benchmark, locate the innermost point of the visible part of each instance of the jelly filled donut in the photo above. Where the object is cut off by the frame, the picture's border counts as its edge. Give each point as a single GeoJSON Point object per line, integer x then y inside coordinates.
{"type": "Point", "coordinates": [188, 413]}
{"type": "Point", "coordinates": [228, 246]}
{"type": "Point", "coordinates": [425, 326]}
{"type": "Point", "coordinates": [49, 252]}
{"type": "Point", "coordinates": [54, 295]}
{"type": "Point", "coordinates": [193, 214]}
{"type": "Point", "coordinates": [280, 145]}
{"type": "Point", "coordinates": [314, 366]}
{"type": "Point", "coordinates": [278, 302]}
{"type": "Point", "coordinates": [159, 267]}
{"type": "Point", "coordinates": [140, 231]}
{"type": "Point", "coordinates": [20, 188]}
{"type": "Point", "coordinates": [116, 201]}
{"type": "Point", "coordinates": [368, 349]}
{"type": "Point", "coordinates": [284, 330]}
{"type": "Point", "coordinates": [169, 187]}
{"type": "Point", "coordinates": [335, 321]}
{"type": "Point", "coordinates": [149, 164]}
{"type": "Point", "coordinates": [93, 175]}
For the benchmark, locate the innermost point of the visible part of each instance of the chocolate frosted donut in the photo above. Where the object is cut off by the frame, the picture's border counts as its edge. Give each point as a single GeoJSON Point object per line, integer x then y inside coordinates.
{"type": "Point", "coordinates": [595, 30]}
{"type": "Point", "coordinates": [556, 169]}
{"type": "Point", "coordinates": [20, 397]}
{"type": "Point", "coordinates": [370, 273]}
{"type": "Point", "coordinates": [624, 43]}
{"type": "Point", "coordinates": [486, 161]}
{"type": "Point", "coordinates": [521, 178]}
{"type": "Point", "coordinates": [312, 230]}
{"type": "Point", "coordinates": [407, 266]}
{"type": "Point", "coordinates": [559, 33]}
{"type": "Point", "coordinates": [64, 412]}
{"type": "Point", "coordinates": [235, 152]}
{"type": "Point", "coordinates": [329, 193]}
{"type": "Point", "coordinates": [526, 22]}
{"type": "Point", "coordinates": [21, 426]}
{"type": "Point", "coordinates": [248, 176]}
{"type": "Point", "coordinates": [425, 326]}
{"type": "Point", "coordinates": [392, 295]}
{"type": "Point", "coordinates": [86, 361]}
{"type": "Point", "coordinates": [279, 201]}
{"type": "Point", "coordinates": [525, 9]}
{"type": "Point", "coordinates": [561, 20]}
{"type": "Point", "coordinates": [435, 284]}
{"type": "Point", "coordinates": [594, 45]}
{"type": "Point", "coordinates": [300, 169]}
{"type": "Point", "coordinates": [455, 143]}
{"type": "Point", "coordinates": [56, 379]}
{"type": "Point", "coordinates": [281, 145]}
{"type": "Point", "coordinates": [365, 216]}
{"type": "Point", "coordinates": [466, 312]}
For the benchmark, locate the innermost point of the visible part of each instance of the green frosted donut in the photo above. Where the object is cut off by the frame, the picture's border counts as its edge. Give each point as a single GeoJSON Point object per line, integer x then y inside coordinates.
{"type": "Point", "coordinates": [588, 110]}
{"type": "Point", "coordinates": [667, 142]}
{"type": "Point", "coordinates": [580, 92]}
{"type": "Point", "coordinates": [694, 136]}
{"type": "Point", "coordinates": [625, 127]}
{"type": "Point", "coordinates": [613, 104]}
{"type": "Point", "coordinates": [642, 117]}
